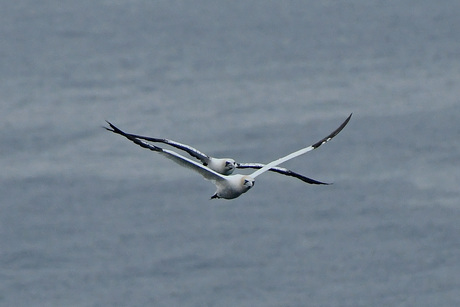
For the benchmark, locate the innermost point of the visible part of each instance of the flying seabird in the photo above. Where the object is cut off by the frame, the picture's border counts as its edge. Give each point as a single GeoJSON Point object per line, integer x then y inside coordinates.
{"type": "Point", "coordinates": [228, 186]}
{"type": "Point", "coordinates": [224, 166]}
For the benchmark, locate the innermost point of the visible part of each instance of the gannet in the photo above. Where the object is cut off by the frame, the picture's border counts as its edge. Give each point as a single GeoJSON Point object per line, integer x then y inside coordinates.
{"type": "Point", "coordinates": [228, 186]}
{"type": "Point", "coordinates": [224, 166]}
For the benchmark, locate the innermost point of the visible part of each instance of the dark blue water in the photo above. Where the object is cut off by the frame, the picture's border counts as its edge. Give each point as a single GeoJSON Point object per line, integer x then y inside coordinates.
{"type": "Point", "coordinates": [89, 219]}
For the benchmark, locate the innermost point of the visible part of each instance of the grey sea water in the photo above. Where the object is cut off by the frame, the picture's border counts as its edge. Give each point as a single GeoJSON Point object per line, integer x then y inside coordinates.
{"type": "Point", "coordinates": [89, 219]}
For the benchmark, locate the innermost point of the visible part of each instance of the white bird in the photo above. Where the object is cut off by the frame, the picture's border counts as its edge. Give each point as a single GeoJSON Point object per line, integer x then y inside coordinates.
{"type": "Point", "coordinates": [225, 166]}
{"type": "Point", "coordinates": [231, 186]}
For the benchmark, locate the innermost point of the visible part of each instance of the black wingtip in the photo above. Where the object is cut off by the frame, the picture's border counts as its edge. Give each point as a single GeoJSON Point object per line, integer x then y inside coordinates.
{"type": "Point", "coordinates": [313, 181]}
{"type": "Point", "coordinates": [107, 128]}
{"type": "Point", "coordinates": [133, 139]}
{"type": "Point", "coordinates": [333, 134]}
{"type": "Point", "coordinates": [114, 129]}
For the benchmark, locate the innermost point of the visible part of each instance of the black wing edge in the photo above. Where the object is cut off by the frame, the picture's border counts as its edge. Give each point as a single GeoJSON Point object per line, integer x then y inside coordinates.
{"type": "Point", "coordinates": [116, 130]}
{"type": "Point", "coordinates": [333, 134]}
{"type": "Point", "coordinates": [283, 171]}
{"type": "Point", "coordinates": [204, 158]}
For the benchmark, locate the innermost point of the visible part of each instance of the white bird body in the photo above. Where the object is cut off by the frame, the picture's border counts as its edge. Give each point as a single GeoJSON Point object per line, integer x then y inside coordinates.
{"type": "Point", "coordinates": [228, 186]}
{"type": "Point", "coordinates": [233, 186]}
{"type": "Point", "coordinates": [224, 166]}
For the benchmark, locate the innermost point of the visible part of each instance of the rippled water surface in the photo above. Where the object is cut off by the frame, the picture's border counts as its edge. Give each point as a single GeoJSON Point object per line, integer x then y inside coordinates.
{"type": "Point", "coordinates": [89, 219]}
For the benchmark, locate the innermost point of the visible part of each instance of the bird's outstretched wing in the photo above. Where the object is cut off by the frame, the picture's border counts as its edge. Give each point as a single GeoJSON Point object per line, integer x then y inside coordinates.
{"type": "Point", "coordinates": [302, 151]}
{"type": "Point", "coordinates": [206, 172]}
{"type": "Point", "coordinates": [282, 171]}
{"type": "Point", "coordinates": [204, 158]}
